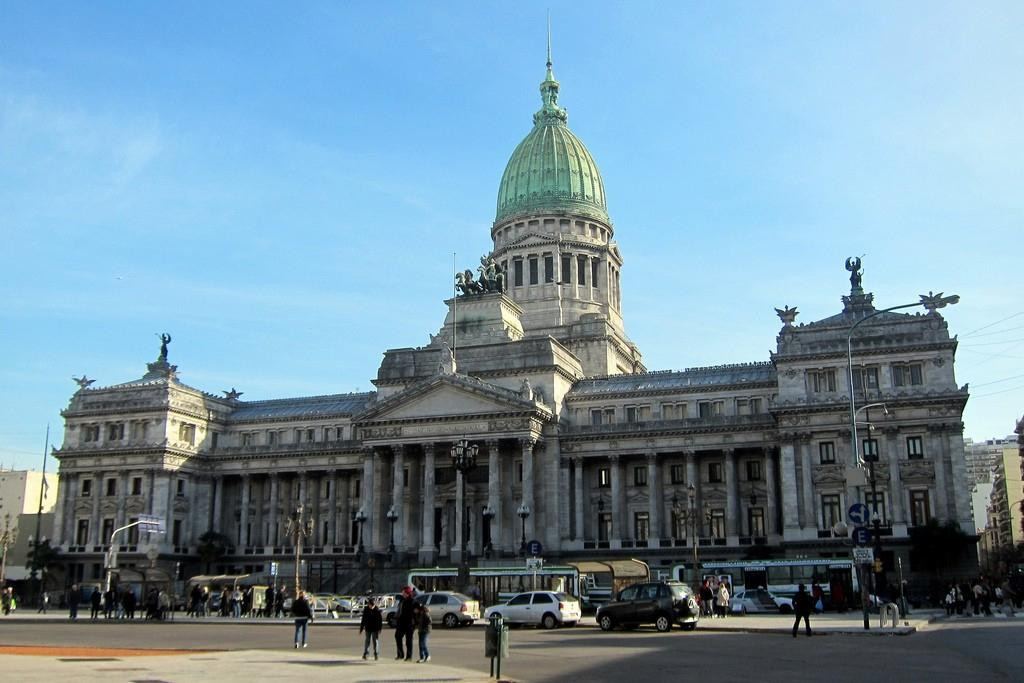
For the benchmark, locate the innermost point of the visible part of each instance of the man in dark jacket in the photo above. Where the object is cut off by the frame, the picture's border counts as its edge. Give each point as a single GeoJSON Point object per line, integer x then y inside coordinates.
{"type": "Point", "coordinates": [268, 609]}
{"type": "Point", "coordinates": [303, 615]}
{"type": "Point", "coordinates": [802, 607]}
{"type": "Point", "coordinates": [95, 600]}
{"type": "Point", "coordinates": [372, 623]}
{"type": "Point", "coordinates": [74, 597]}
{"type": "Point", "coordinates": [404, 624]}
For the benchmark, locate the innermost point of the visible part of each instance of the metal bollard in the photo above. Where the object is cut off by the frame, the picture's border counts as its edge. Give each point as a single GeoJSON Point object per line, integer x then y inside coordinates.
{"type": "Point", "coordinates": [890, 610]}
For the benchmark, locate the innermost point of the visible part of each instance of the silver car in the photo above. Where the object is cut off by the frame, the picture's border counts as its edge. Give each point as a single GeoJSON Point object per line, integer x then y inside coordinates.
{"type": "Point", "coordinates": [448, 608]}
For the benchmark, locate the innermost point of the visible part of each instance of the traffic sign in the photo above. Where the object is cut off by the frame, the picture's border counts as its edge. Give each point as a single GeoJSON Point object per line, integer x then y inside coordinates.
{"type": "Point", "coordinates": [863, 555]}
{"type": "Point", "coordinates": [858, 514]}
{"type": "Point", "coordinates": [534, 564]}
{"type": "Point", "coordinates": [534, 548]}
{"type": "Point", "coordinates": [273, 568]}
{"type": "Point", "coordinates": [861, 535]}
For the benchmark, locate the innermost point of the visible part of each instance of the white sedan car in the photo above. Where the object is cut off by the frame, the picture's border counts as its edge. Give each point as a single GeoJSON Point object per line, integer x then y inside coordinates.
{"type": "Point", "coordinates": [538, 608]}
{"type": "Point", "coordinates": [759, 600]}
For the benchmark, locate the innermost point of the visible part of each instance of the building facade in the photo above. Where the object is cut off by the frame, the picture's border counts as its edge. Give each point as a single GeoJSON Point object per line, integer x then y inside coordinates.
{"type": "Point", "coordinates": [580, 446]}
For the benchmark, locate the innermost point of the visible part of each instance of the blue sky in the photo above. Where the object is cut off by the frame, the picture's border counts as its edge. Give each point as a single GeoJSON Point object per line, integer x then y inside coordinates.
{"type": "Point", "coordinates": [282, 188]}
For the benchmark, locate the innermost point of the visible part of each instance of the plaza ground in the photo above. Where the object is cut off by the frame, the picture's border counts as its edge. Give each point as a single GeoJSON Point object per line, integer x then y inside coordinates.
{"type": "Point", "coordinates": [33, 647]}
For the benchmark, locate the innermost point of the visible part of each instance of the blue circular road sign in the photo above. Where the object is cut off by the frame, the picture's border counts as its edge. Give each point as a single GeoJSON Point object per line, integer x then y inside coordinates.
{"type": "Point", "coordinates": [858, 514]}
{"type": "Point", "coordinates": [534, 548]}
{"type": "Point", "coordinates": [861, 535]}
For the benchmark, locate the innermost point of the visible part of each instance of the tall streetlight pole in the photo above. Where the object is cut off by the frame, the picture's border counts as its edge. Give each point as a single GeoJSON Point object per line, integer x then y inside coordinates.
{"type": "Point", "coordinates": [523, 511]}
{"type": "Point", "coordinates": [359, 517]}
{"type": "Point", "coordinates": [687, 514]}
{"type": "Point", "coordinates": [299, 529]}
{"type": "Point", "coordinates": [463, 456]}
{"type": "Point", "coordinates": [931, 302]}
{"type": "Point", "coordinates": [392, 518]}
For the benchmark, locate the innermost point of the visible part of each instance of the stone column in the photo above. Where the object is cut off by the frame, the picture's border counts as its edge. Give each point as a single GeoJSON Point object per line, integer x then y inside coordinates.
{"type": "Point", "coordinates": [770, 510]}
{"type": "Point", "coordinates": [894, 455]}
{"type": "Point", "coordinates": [303, 491]}
{"type": "Point", "coordinates": [787, 488]}
{"type": "Point", "coordinates": [460, 518]}
{"type": "Point", "coordinates": [494, 492]}
{"type": "Point", "coordinates": [618, 509]}
{"type": "Point", "coordinates": [332, 510]}
{"type": "Point", "coordinates": [961, 502]}
{"type": "Point", "coordinates": [218, 503]}
{"type": "Point", "coordinates": [161, 498]}
{"type": "Point", "coordinates": [427, 547]}
{"type": "Point", "coordinates": [936, 454]}
{"type": "Point", "coordinates": [578, 496]}
{"type": "Point", "coordinates": [94, 521]}
{"type": "Point", "coordinates": [272, 539]}
{"type": "Point", "coordinates": [368, 499]}
{"type": "Point", "coordinates": [60, 509]}
{"type": "Point", "coordinates": [810, 517]}
{"type": "Point", "coordinates": [343, 510]}
{"type": "Point", "coordinates": [243, 519]}
{"type": "Point", "coordinates": [122, 485]}
{"type": "Point", "coordinates": [732, 494]}
{"type": "Point", "coordinates": [654, 500]}
{"type": "Point", "coordinates": [528, 486]}
{"type": "Point", "coordinates": [397, 494]}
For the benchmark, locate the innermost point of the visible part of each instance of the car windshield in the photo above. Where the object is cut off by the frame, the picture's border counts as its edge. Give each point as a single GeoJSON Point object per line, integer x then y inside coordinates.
{"type": "Point", "coordinates": [678, 592]}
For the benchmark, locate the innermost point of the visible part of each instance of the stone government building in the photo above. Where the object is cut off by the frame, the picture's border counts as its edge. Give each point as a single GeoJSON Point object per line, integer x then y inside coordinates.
{"type": "Point", "coordinates": [569, 423]}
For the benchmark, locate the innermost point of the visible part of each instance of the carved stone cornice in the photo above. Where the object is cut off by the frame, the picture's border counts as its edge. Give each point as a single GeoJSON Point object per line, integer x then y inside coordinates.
{"type": "Point", "coordinates": [917, 470]}
{"type": "Point", "coordinates": [828, 474]}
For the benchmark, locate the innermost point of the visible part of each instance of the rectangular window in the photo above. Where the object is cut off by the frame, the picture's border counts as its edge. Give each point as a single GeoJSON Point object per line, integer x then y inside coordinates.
{"type": "Point", "coordinates": [271, 438]}
{"type": "Point", "coordinates": [82, 532]}
{"type": "Point", "coordinates": [753, 470]}
{"type": "Point", "coordinates": [115, 432]}
{"type": "Point", "coordinates": [604, 526]}
{"type": "Point", "coordinates": [821, 381]}
{"type": "Point", "coordinates": [678, 474]}
{"type": "Point", "coordinates": [679, 526]}
{"type": "Point", "coordinates": [640, 476]}
{"type": "Point", "coordinates": [920, 511]}
{"type": "Point", "coordinates": [566, 270]}
{"type": "Point", "coordinates": [176, 533]}
{"type": "Point", "coordinates": [86, 487]}
{"type": "Point", "coordinates": [673, 411]}
{"type": "Point", "coordinates": [715, 472]}
{"type": "Point", "coordinates": [871, 500]}
{"type": "Point", "coordinates": [180, 490]}
{"type": "Point", "coordinates": [405, 477]}
{"type": "Point", "coordinates": [831, 514]}
{"type": "Point", "coordinates": [519, 471]}
{"type": "Point", "coordinates": [638, 413]}
{"type": "Point", "coordinates": [755, 521]}
{"type": "Point", "coordinates": [594, 267]}
{"type": "Point", "coordinates": [534, 275]}
{"type": "Point", "coordinates": [827, 452]}
{"type": "Point", "coordinates": [247, 439]}
{"type": "Point", "coordinates": [517, 272]}
{"type": "Point", "coordinates": [310, 436]}
{"type": "Point", "coordinates": [907, 375]}
{"type": "Point", "coordinates": [91, 433]}
{"type": "Point", "coordinates": [111, 487]}
{"type": "Point", "coordinates": [869, 450]}
{"type": "Point", "coordinates": [742, 406]}
{"type": "Point", "coordinates": [641, 526]}
{"type": "Point", "coordinates": [356, 488]}
{"type": "Point", "coordinates": [716, 525]}
{"type": "Point", "coordinates": [604, 477]}
{"type": "Point", "coordinates": [187, 433]}
{"type": "Point", "coordinates": [915, 447]}
{"type": "Point", "coordinates": [865, 379]}
{"type": "Point", "coordinates": [609, 416]}
{"type": "Point", "coordinates": [549, 268]}
{"type": "Point", "coordinates": [107, 530]}
{"type": "Point", "coordinates": [136, 486]}
{"type": "Point", "coordinates": [581, 271]}
{"type": "Point", "coordinates": [710, 408]}
{"type": "Point", "coordinates": [133, 532]}
{"type": "Point", "coordinates": [755, 406]}
{"type": "Point", "coordinates": [595, 416]}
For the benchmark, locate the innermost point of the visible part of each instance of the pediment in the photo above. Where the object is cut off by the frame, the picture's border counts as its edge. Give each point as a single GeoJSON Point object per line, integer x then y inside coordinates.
{"type": "Point", "coordinates": [532, 239]}
{"type": "Point", "coordinates": [447, 396]}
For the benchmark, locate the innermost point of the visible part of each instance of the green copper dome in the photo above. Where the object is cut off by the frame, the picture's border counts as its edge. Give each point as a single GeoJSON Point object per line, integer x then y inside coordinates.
{"type": "Point", "coordinates": [551, 169]}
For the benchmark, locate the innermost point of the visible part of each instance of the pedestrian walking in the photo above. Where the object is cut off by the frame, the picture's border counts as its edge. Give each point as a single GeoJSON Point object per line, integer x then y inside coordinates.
{"type": "Point", "coordinates": [722, 600]}
{"type": "Point", "coordinates": [423, 626]}
{"type": "Point", "coordinates": [404, 625]}
{"type": "Point", "coordinates": [74, 597]}
{"type": "Point", "coordinates": [268, 610]}
{"type": "Point", "coordinates": [95, 600]}
{"type": "Point", "coordinates": [303, 615]}
{"type": "Point", "coordinates": [44, 603]}
{"type": "Point", "coordinates": [128, 602]}
{"type": "Point", "coordinates": [236, 603]}
{"type": "Point", "coordinates": [707, 598]}
{"type": "Point", "coordinates": [371, 624]}
{"type": "Point", "coordinates": [802, 607]}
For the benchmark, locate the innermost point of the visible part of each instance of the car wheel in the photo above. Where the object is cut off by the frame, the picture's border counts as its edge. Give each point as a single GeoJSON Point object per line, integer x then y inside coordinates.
{"type": "Point", "coordinates": [450, 620]}
{"type": "Point", "coordinates": [606, 622]}
{"type": "Point", "coordinates": [549, 621]}
{"type": "Point", "coordinates": [391, 621]}
{"type": "Point", "coordinates": [495, 614]}
{"type": "Point", "coordinates": [690, 627]}
{"type": "Point", "coordinates": [663, 623]}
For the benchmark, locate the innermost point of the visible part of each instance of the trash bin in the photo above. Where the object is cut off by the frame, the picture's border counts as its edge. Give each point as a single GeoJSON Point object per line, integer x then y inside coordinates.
{"type": "Point", "coordinates": [496, 644]}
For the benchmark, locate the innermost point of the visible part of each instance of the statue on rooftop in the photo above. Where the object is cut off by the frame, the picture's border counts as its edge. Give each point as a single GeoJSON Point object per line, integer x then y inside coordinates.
{"type": "Point", "coordinates": [82, 381]}
{"type": "Point", "coordinates": [165, 339]}
{"type": "Point", "coordinates": [853, 265]}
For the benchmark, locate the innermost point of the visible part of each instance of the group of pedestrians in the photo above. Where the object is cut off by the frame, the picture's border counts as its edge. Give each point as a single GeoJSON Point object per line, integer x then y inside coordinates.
{"type": "Point", "coordinates": [410, 616]}
{"type": "Point", "coordinates": [977, 598]}
{"type": "Point", "coordinates": [121, 604]}
{"type": "Point", "coordinates": [714, 597]}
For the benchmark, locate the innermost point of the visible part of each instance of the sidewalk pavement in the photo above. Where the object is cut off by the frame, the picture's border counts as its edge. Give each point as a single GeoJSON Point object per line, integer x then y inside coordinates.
{"type": "Point", "coordinates": [236, 665]}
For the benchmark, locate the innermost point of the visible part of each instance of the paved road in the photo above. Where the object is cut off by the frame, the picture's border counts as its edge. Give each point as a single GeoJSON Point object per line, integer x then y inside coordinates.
{"type": "Point", "coordinates": [968, 650]}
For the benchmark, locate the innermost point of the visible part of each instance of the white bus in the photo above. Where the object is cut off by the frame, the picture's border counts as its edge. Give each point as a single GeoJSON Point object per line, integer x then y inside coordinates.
{"type": "Point", "coordinates": [781, 577]}
{"type": "Point", "coordinates": [497, 584]}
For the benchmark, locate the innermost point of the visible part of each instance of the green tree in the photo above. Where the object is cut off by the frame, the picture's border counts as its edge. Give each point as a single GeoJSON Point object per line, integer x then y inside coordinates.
{"type": "Point", "coordinates": [213, 545]}
{"type": "Point", "coordinates": [935, 547]}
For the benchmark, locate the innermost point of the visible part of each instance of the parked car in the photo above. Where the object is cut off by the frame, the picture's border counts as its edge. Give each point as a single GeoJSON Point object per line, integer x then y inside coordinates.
{"type": "Point", "coordinates": [662, 603]}
{"type": "Point", "coordinates": [539, 608]}
{"type": "Point", "coordinates": [448, 608]}
{"type": "Point", "coordinates": [756, 600]}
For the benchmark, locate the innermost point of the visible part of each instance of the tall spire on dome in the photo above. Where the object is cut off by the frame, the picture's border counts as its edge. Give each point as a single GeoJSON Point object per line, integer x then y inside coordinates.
{"type": "Point", "coordinates": [550, 113]}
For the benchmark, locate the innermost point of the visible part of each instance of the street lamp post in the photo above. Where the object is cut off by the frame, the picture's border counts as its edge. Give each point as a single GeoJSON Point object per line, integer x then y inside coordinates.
{"type": "Point", "coordinates": [392, 518]}
{"type": "Point", "coordinates": [299, 529]}
{"type": "Point", "coordinates": [687, 514]}
{"type": "Point", "coordinates": [463, 456]}
{"type": "Point", "coordinates": [931, 302]}
{"type": "Point", "coordinates": [488, 515]}
{"type": "Point", "coordinates": [359, 517]}
{"type": "Point", "coordinates": [523, 511]}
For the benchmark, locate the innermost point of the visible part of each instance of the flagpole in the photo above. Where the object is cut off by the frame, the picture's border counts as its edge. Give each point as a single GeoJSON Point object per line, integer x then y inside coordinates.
{"type": "Point", "coordinates": [455, 311]}
{"type": "Point", "coordinates": [43, 486]}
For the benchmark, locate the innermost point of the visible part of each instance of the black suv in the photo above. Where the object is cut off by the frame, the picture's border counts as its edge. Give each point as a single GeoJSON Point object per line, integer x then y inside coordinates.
{"type": "Point", "coordinates": [662, 603]}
